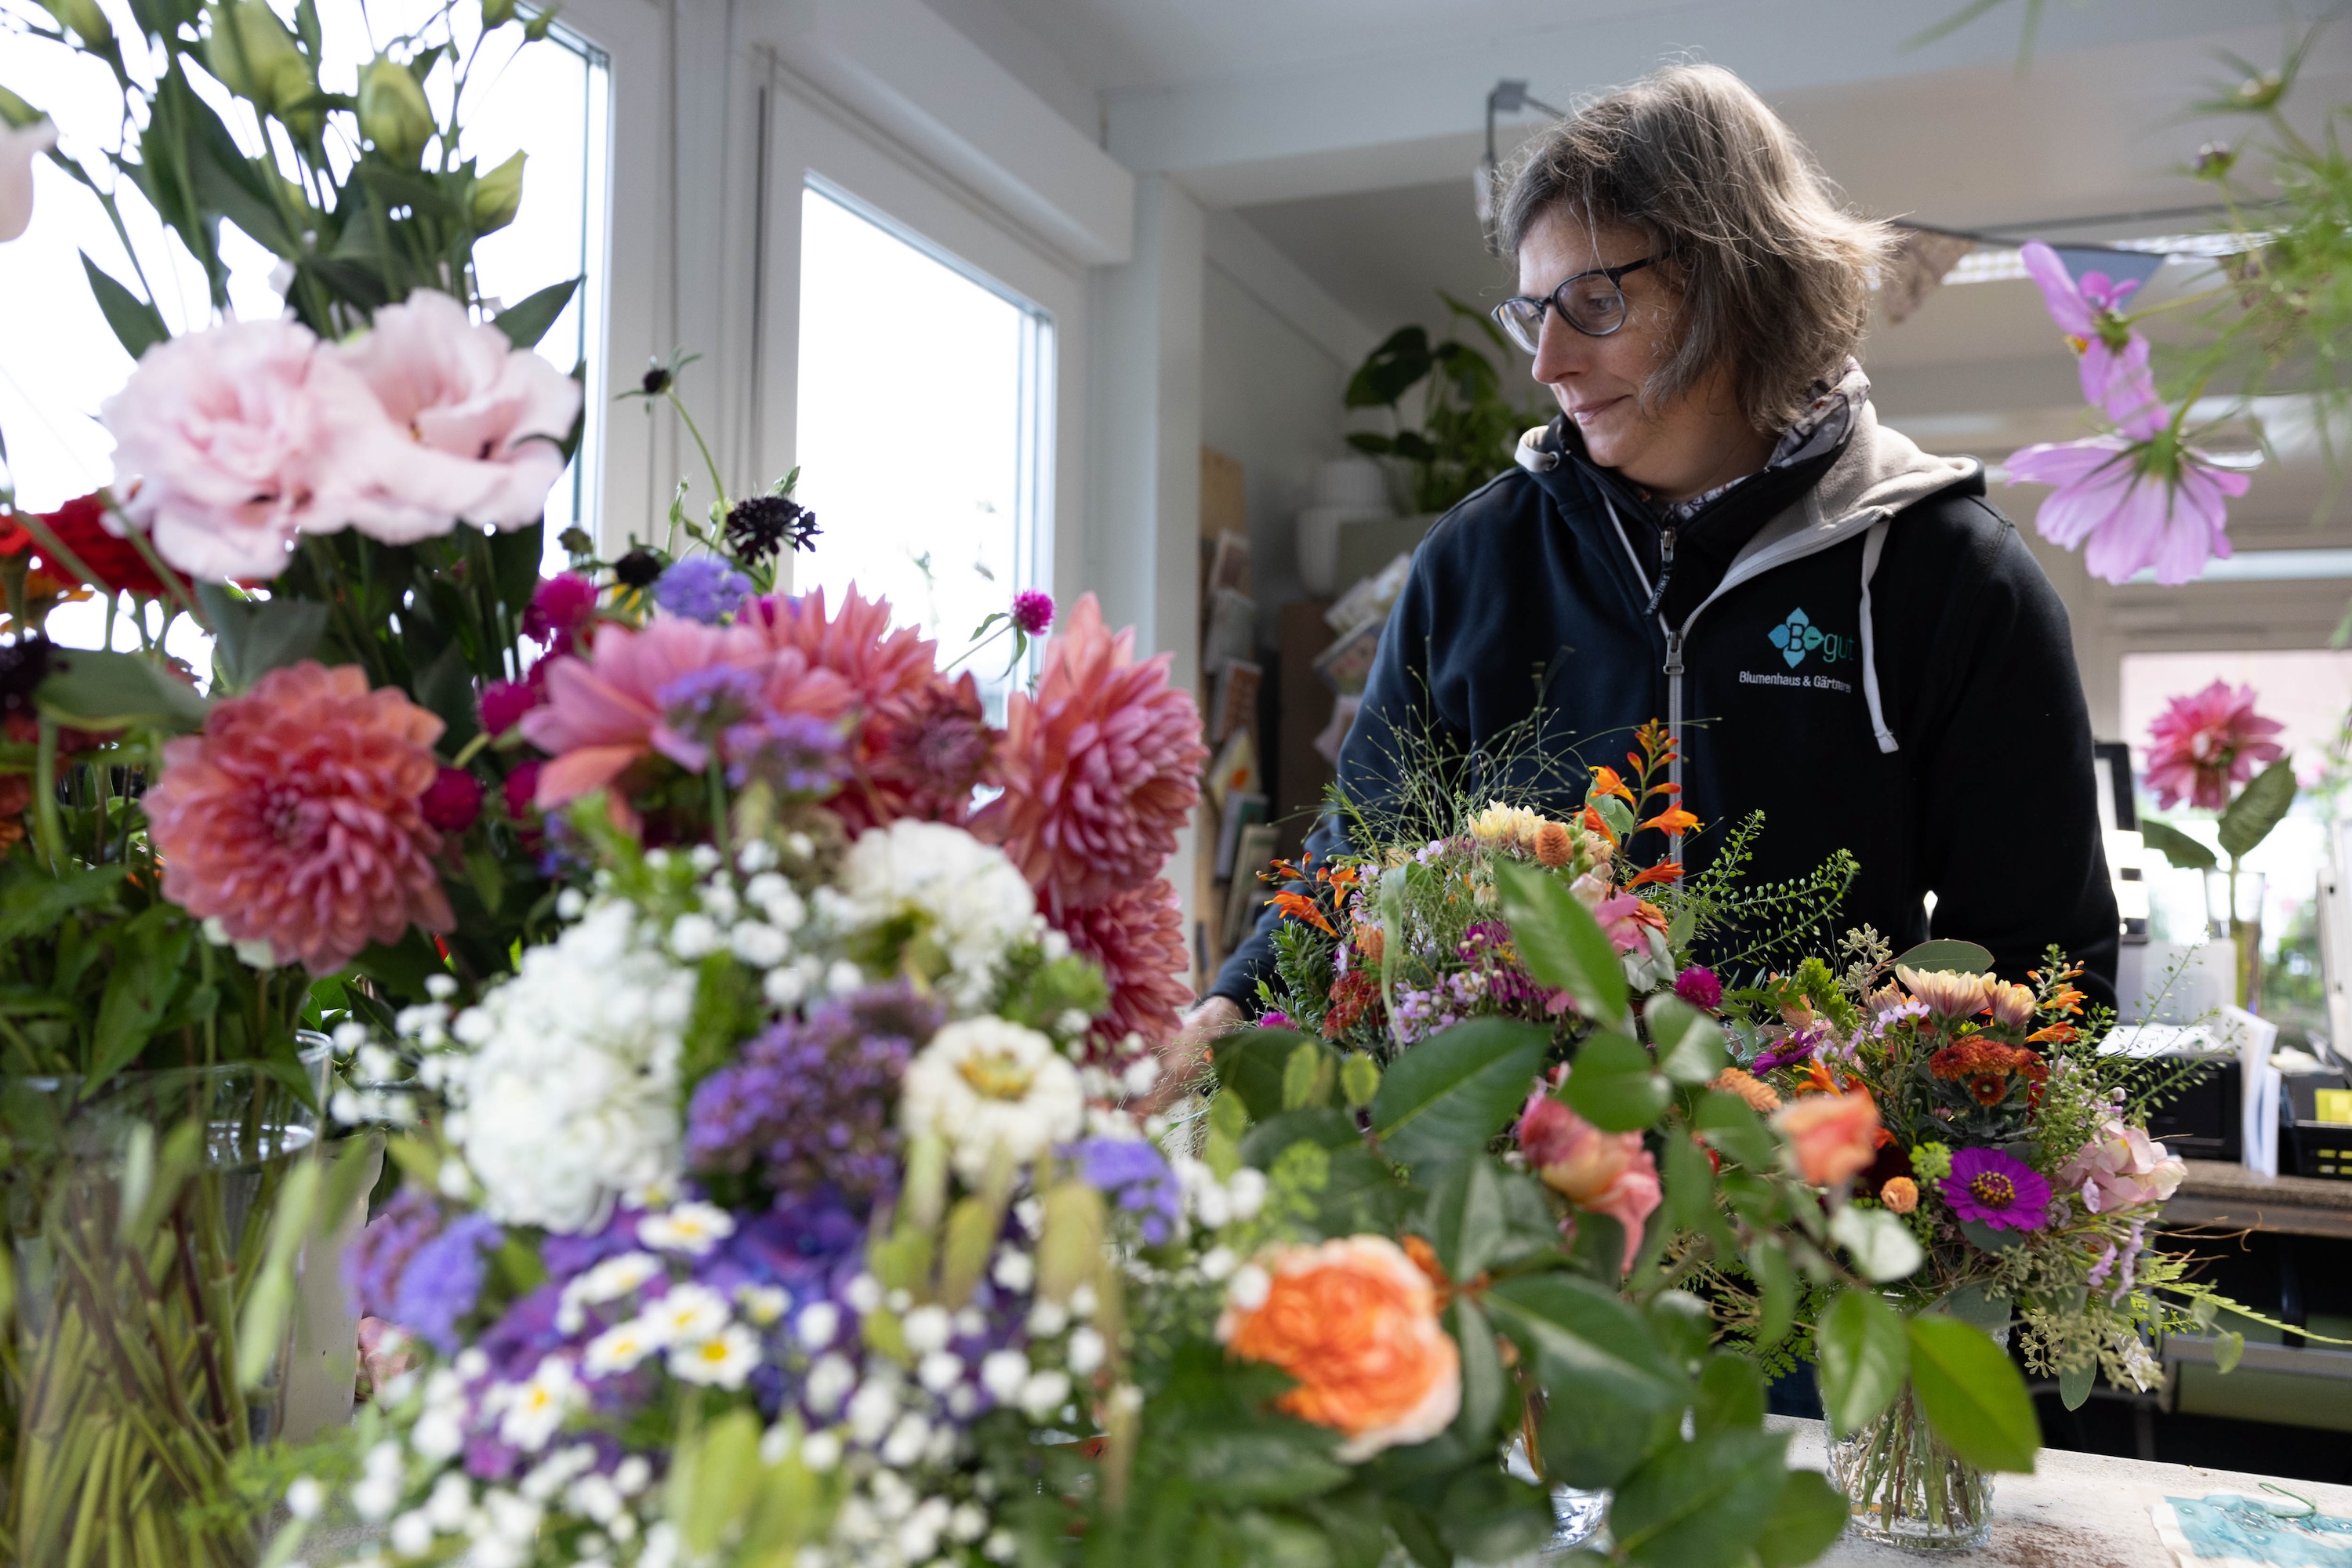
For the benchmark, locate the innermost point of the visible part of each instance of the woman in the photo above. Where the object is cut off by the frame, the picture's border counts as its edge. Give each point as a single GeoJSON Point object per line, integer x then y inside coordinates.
{"type": "Point", "coordinates": [1717, 531]}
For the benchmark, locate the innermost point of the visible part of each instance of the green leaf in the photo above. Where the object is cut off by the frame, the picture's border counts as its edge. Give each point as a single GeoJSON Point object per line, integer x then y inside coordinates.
{"type": "Point", "coordinates": [1307, 1076]}
{"type": "Point", "coordinates": [1250, 1063]}
{"type": "Point", "coordinates": [1443, 1100]}
{"type": "Point", "coordinates": [1560, 943]}
{"type": "Point", "coordinates": [1700, 1504]}
{"type": "Point", "coordinates": [1864, 1355]}
{"type": "Point", "coordinates": [1684, 1325]}
{"type": "Point", "coordinates": [1732, 1126]}
{"type": "Point", "coordinates": [1614, 1086]}
{"type": "Point", "coordinates": [1775, 1281]}
{"type": "Point", "coordinates": [2074, 1385]}
{"type": "Point", "coordinates": [1272, 1463]}
{"type": "Point", "coordinates": [2175, 846]}
{"type": "Point", "coordinates": [136, 323]}
{"type": "Point", "coordinates": [254, 636]}
{"type": "Point", "coordinates": [99, 690]}
{"type": "Point", "coordinates": [149, 960]}
{"type": "Point", "coordinates": [2260, 807]}
{"type": "Point", "coordinates": [1465, 1219]}
{"type": "Point", "coordinates": [1810, 1515]}
{"type": "Point", "coordinates": [1881, 1246]}
{"type": "Point", "coordinates": [527, 319]}
{"type": "Point", "coordinates": [1600, 1445]}
{"type": "Point", "coordinates": [1482, 1371]}
{"type": "Point", "coordinates": [1948, 956]}
{"type": "Point", "coordinates": [1990, 1238]}
{"type": "Point", "coordinates": [2227, 1350]}
{"type": "Point", "coordinates": [1389, 369]}
{"type": "Point", "coordinates": [1489, 1517]}
{"type": "Point", "coordinates": [1319, 1125]}
{"type": "Point", "coordinates": [1591, 1348]}
{"type": "Point", "coordinates": [1360, 1079]}
{"type": "Point", "coordinates": [1972, 1395]}
{"type": "Point", "coordinates": [1690, 1044]}
{"type": "Point", "coordinates": [1731, 1395]}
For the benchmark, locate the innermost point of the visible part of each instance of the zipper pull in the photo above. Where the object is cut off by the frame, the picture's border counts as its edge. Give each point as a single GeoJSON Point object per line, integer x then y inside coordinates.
{"type": "Point", "coordinates": [1665, 568]}
{"type": "Point", "coordinates": [1674, 655]}
{"type": "Point", "coordinates": [1667, 546]}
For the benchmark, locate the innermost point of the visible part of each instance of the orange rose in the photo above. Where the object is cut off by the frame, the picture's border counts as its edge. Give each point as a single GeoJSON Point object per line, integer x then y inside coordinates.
{"type": "Point", "coordinates": [1833, 1135]}
{"type": "Point", "coordinates": [1900, 1194]}
{"type": "Point", "coordinates": [1356, 1324]}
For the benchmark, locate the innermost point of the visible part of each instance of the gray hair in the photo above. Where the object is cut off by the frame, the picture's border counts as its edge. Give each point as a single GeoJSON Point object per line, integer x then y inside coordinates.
{"type": "Point", "coordinates": [1772, 274]}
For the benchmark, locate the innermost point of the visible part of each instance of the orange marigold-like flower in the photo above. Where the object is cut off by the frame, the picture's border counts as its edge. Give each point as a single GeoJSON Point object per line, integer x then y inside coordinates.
{"type": "Point", "coordinates": [1900, 1194]}
{"type": "Point", "coordinates": [1833, 1135]}
{"type": "Point", "coordinates": [1761, 1096]}
{"type": "Point", "coordinates": [296, 816]}
{"type": "Point", "coordinates": [1356, 1324]}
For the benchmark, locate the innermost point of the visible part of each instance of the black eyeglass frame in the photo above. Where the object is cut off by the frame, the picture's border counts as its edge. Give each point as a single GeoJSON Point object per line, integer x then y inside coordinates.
{"type": "Point", "coordinates": [1551, 301]}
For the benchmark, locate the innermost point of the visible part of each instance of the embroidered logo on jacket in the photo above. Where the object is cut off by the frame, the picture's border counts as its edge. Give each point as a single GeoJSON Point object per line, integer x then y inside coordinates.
{"type": "Point", "coordinates": [1797, 637]}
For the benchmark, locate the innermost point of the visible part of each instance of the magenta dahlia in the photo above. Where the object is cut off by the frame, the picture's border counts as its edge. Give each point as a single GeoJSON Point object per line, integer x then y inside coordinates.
{"type": "Point", "coordinates": [2204, 743]}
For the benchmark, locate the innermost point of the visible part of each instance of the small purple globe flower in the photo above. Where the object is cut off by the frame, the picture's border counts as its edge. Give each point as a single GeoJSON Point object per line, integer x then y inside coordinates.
{"type": "Point", "coordinates": [1997, 1189]}
{"type": "Point", "coordinates": [1032, 611]}
{"type": "Point", "coordinates": [1700, 988]}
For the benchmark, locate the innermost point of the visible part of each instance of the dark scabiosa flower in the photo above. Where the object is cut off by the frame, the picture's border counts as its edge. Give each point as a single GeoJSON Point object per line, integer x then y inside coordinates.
{"type": "Point", "coordinates": [637, 569]}
{"type": "Point", "coordinates": [761, 525]}
{"type": "Point", "coordinates": [24, 665]}
{"type": "Point", "coordinates": [655, 381]}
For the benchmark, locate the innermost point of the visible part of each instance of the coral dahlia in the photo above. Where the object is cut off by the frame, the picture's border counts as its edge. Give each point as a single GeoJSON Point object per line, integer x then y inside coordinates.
{"type": "Point", "coordinates": [856, 643]}
{"type": "Point", "coordinates": [1099, 767]}
{"type": "Point", "coordinates": [297, 816]}
{"type": "Point", "coordinates": [1136, 935]}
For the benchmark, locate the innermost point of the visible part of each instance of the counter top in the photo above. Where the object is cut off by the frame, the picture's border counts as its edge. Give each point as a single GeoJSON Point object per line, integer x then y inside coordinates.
{"type": "Point", "coordinates": [2076, 1510]}
{"type": "Point", "coordinates": [2229, 1197]}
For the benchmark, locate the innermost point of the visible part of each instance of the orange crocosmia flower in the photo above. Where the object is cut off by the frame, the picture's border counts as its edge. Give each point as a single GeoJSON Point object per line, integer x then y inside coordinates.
{"type": "Point", "coordinates": [1606, 781]}
{"type": "Point", "coordinates": [1663, 871]}
{"type": "Point", "coordinates": [1675, 820]}
{"type": "Point", "coordinates": [1299, 906]}
{"type": "Point", "coordinates": [1819, 1079]}
{"type": "Point", "coordinates": [1833, 1136]}
{"type": "Point", "coordinates": [1592, 819]}
{"type": "Point", "coordinates": [1356, 1323]}
{"type": "Point", "coordinates": [2056, 1034]}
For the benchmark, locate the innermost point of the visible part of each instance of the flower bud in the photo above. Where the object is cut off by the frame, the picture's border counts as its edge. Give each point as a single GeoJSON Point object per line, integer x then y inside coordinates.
{"type": "Point", "coordinates": [393, 114]}
{"type": "Point", "coordinates": [254, 55]}
{"type": "Point", "coordinates": [497, 13]}
{"type": "Point", "coordinates": [87, 21]}
{"type": "Point", "coordinates": [536, 28]}
{"type": "Point", "coordinates": [15, 113]}
{"type": "Point", "coordinates": [2215, 159]}
{"type": "Point", "coordinates": [498, 195]}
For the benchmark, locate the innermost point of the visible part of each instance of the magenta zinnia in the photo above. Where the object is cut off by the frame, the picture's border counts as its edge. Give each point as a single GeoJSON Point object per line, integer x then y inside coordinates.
{"type": "Point", "coordinates": [1996, 1189]}
{"type": "Point", "coordinates": [297, 816]}
{"type": "Point", "coordinates": [2203, 743]}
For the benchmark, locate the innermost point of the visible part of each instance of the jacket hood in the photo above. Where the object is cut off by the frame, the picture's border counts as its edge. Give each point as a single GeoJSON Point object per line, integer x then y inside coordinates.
{"type": "Point", "coordinates": [1881, 472]}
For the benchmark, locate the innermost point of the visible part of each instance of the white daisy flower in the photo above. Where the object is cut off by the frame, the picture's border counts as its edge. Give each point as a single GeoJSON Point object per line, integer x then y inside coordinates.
{"type": "Point", "coordinates": [986, 1085]}
{"type": "Point", "coordinates": [723, 1361]}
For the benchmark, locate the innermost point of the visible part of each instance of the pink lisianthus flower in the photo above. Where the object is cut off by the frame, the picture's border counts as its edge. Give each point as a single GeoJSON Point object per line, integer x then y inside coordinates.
{"type": "Point", "coordinates": [229, 442]}
{"type": "Point", "coordinates": [477, 421]}
{"type": "Point", "coordinates": [2114, 359]}
{"type": "Point", "coordinates": [602, 712]}
{"type": "Point", "coordinates": [1600, 1173]}
{"type": "Point", "coordinates": [2121, 1168]}
{"type": "Point", "coordinates": [2203, 743]}
{"type": "Point", "coordinates": [2132, 503]}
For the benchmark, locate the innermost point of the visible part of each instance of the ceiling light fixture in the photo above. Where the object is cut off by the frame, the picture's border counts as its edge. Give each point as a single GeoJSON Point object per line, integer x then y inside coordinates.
{"type": "Point", "coordinates": [1507, 98]}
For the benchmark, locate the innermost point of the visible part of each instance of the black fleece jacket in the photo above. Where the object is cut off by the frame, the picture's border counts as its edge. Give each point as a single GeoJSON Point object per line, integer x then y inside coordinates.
{"type": "Point", "coordinates": [1878, 665]}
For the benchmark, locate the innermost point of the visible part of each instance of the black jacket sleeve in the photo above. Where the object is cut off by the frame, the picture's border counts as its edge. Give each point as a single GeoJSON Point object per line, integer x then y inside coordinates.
{"type": "Point", "coordinates": [2011, 841]}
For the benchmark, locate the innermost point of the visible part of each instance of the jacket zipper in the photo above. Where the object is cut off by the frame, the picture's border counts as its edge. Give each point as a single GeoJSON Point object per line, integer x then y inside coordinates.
{"type": "Point", "coordinates": [1674, 687]}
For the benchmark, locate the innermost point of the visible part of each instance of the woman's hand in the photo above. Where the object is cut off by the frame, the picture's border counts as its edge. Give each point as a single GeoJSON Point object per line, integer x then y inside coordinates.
{"type": "Point", "coordinates": [1180, 1058]}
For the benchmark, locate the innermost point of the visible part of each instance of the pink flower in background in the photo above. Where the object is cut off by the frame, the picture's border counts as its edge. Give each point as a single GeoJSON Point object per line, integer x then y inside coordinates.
{"type": "Point", "coordinates": [602, 711]}
{"type": "Point", "coordinates": [2132, 503]}
{"type": "Point", "coordinates": [2119, 1168]}
{"type": "Point", "coordinates": [1833, 1136]}
{"type": "Point", "coordinates": [1601, 1173]}
{"type": "Point", "coordinates": [1100, 766]}
{"type": "Point", "coordinates": [856, 643]}
{"type": "Point", "coordinates": [1032, 611]}
{"type": "Point", "coordinates": [2203, 743]}
{"type": "Point", "coordinates": [20, 147]}
{"type": "Point", "coordinates": [476, 421]}
{"type": "Point", "coordinates": [454, 801]}
{"type": "Point", "coordinates": [297, 816]}
{"type": "Point", "coordinates": [229, 442]}
{"type": "Point", "coordinates": [921, 756]}
{"type": "Point", "coordinates": [562, 609]}
{"type": "Point", "coordinates": [2114, 359]}
{"type": "Point", "coordinates": [1138, 937]}
{"type": "Point", "coordinates": [1627, 918]}
{"type": "Point", "coordinates": [504, 702]}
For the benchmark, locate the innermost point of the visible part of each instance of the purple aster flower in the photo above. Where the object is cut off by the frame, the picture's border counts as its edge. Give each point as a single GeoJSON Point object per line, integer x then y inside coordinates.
{"type": "Point", "coordinates": [1793, 1047]}
{"type": "Point", "coordinates": [443, 1280]}
{"type": "Point", "coordinates": [1997, 1189]}
{"type": "Point", "coordinates": [1134, 1171]}
{"type": "Point", "coordinates": [702, 588]}
{"type": "Point", "coordinates": [1032, 611]}
{"type": "Point", "coordinates": [1700, 988]}
{"type": "Point", "coordinates": [794, 754]}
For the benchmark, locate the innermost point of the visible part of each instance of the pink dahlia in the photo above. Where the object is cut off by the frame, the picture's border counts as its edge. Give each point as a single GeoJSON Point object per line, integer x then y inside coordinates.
{"type": "Point", "coordinates": [2114, 359]}
{"type": "Point", "coordinates": [602, 712]}
{"type": "Point", "coordinates": [2151, 501]}
{"type": "Point", "coordinates": [857, 645]}
{"type": "Point", "coordinates": [1137, 936]}
{"type": "Point", "coordinates": [296, 817]}
{"type": "Point", "coordinates": [2203, 743]}
{"type": "Point", "coordinates": [921, 756]}
{"type": "Point", "coordinates": [1100, 767]}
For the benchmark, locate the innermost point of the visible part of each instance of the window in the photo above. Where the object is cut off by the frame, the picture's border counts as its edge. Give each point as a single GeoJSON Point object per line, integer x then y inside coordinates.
{"type": "Point", "coordinates": [59, 362]}
{"type": "Point", "coordinates": [924, 407]}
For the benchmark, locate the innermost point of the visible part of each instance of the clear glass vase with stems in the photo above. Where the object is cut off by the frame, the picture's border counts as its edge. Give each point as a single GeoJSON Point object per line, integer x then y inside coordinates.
{"type": "Point", "coordinates": [1905, 1488]}
{"type": "Point", "coordinates": [2233, 909]}
{"type": "Point", "coordinates": [149, 1274]}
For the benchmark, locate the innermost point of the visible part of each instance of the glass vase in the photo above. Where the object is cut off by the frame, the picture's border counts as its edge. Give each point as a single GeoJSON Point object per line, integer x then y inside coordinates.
{"type": "Point", "coordinates": [2233, 909]}
{"type": "Point", "coordinates": [1906, 1490]}
{"type": "Point", "coordinates": [140, 1364]}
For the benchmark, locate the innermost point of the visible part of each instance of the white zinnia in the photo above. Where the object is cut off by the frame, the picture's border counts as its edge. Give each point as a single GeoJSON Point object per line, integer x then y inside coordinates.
{"type": "Point", "coordinates": [973, 900]}
{"type": "Point", "coordinates": [571, 1095]}
{"type": "Point", "coordinates": [984, 1084]}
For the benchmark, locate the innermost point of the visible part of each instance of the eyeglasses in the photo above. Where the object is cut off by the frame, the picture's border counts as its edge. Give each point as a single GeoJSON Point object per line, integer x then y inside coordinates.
{"type": "Point", "coordinates": [1591, 302]}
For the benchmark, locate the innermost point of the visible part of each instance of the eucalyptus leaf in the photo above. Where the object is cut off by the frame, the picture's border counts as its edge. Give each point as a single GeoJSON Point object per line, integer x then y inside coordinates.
{"type": "Point", "coordinates": [1881, 1246]}
{"type": "Point", "coordinates": [2074, 1385]}
{"type": "Point", "coordinates": [2228, 1349]}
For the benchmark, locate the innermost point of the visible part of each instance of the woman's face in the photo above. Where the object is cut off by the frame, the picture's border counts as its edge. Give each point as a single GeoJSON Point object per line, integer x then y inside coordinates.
{"type": "Point", "coordinates": [1688, 444]}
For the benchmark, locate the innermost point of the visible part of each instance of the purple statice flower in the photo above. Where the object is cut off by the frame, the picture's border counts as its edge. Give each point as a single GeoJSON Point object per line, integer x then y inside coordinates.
{"type": "Point", "coordinates": [443, 1280]}
{"type": "Point", "coordinates": [700, 707]}
{"type": "Point", "coordinates": [1997, 1189]}
{"type": "Point", "coordinates": [373, 1267]}
{"type": "Point", "coordinates": [792, 753]}
{"type": "Point", "coordinates": [702, 588]}
{"type": "Point", "coordinates": [1032, 611]}
{"type": "Point", "coordinates": [1700, 988]}
{"type": "Point", "coordinates": [1135, 1174]}
{"type": "Point", "coordinates": [808, 1105]}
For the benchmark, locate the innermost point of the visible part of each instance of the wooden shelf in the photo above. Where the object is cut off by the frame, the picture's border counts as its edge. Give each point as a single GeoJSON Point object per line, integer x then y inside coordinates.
{"type": "Point", "coordinates": [2230, 1198]}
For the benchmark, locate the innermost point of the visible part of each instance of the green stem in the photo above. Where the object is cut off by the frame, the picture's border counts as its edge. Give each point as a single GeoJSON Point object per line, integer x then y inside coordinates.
{"type": "Point", "coordinates": [708, 462]}
{"type": "Point", "coordinates": [46, 822]}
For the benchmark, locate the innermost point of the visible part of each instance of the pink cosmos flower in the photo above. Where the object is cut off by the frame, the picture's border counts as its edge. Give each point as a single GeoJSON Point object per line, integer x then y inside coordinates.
{"type": "Point", "coordinates": [2203, 743]}
{"type": "Point", "coordinates": [2120, 1168]}
{"type": "Point", "coordinates": [477, 422]}
{"type": "Point", "coordinates": [602, 712]}
{"type": "Point", "coordinates": [2153, 502]}
{"type": "Point", "coordinates": [230, 441]}
{"type": "Point", "coordinates": [2114, 359]}
{"type": "Point", "coordinates": [1600, 1173]}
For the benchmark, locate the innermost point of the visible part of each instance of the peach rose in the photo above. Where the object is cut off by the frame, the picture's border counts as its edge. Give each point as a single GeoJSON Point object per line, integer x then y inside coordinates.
{"type": "Point", "coordinates": [1600, 1173]}
{"type": "Point", "coordinates": [1356, 1324]}
{"type": "Point", "coordinates": [1900, 1194]}
{"type": "Point", "coordinates": [1833, 1135]}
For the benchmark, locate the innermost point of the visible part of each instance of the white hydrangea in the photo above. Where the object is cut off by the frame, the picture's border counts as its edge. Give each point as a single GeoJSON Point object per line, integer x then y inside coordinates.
{"type": "Point", "coordinates": [986, 1084]}
{"type": "Point", "coordinates": [973, 899]}
{"type": "Point", "coordinates": [570, 1095]}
